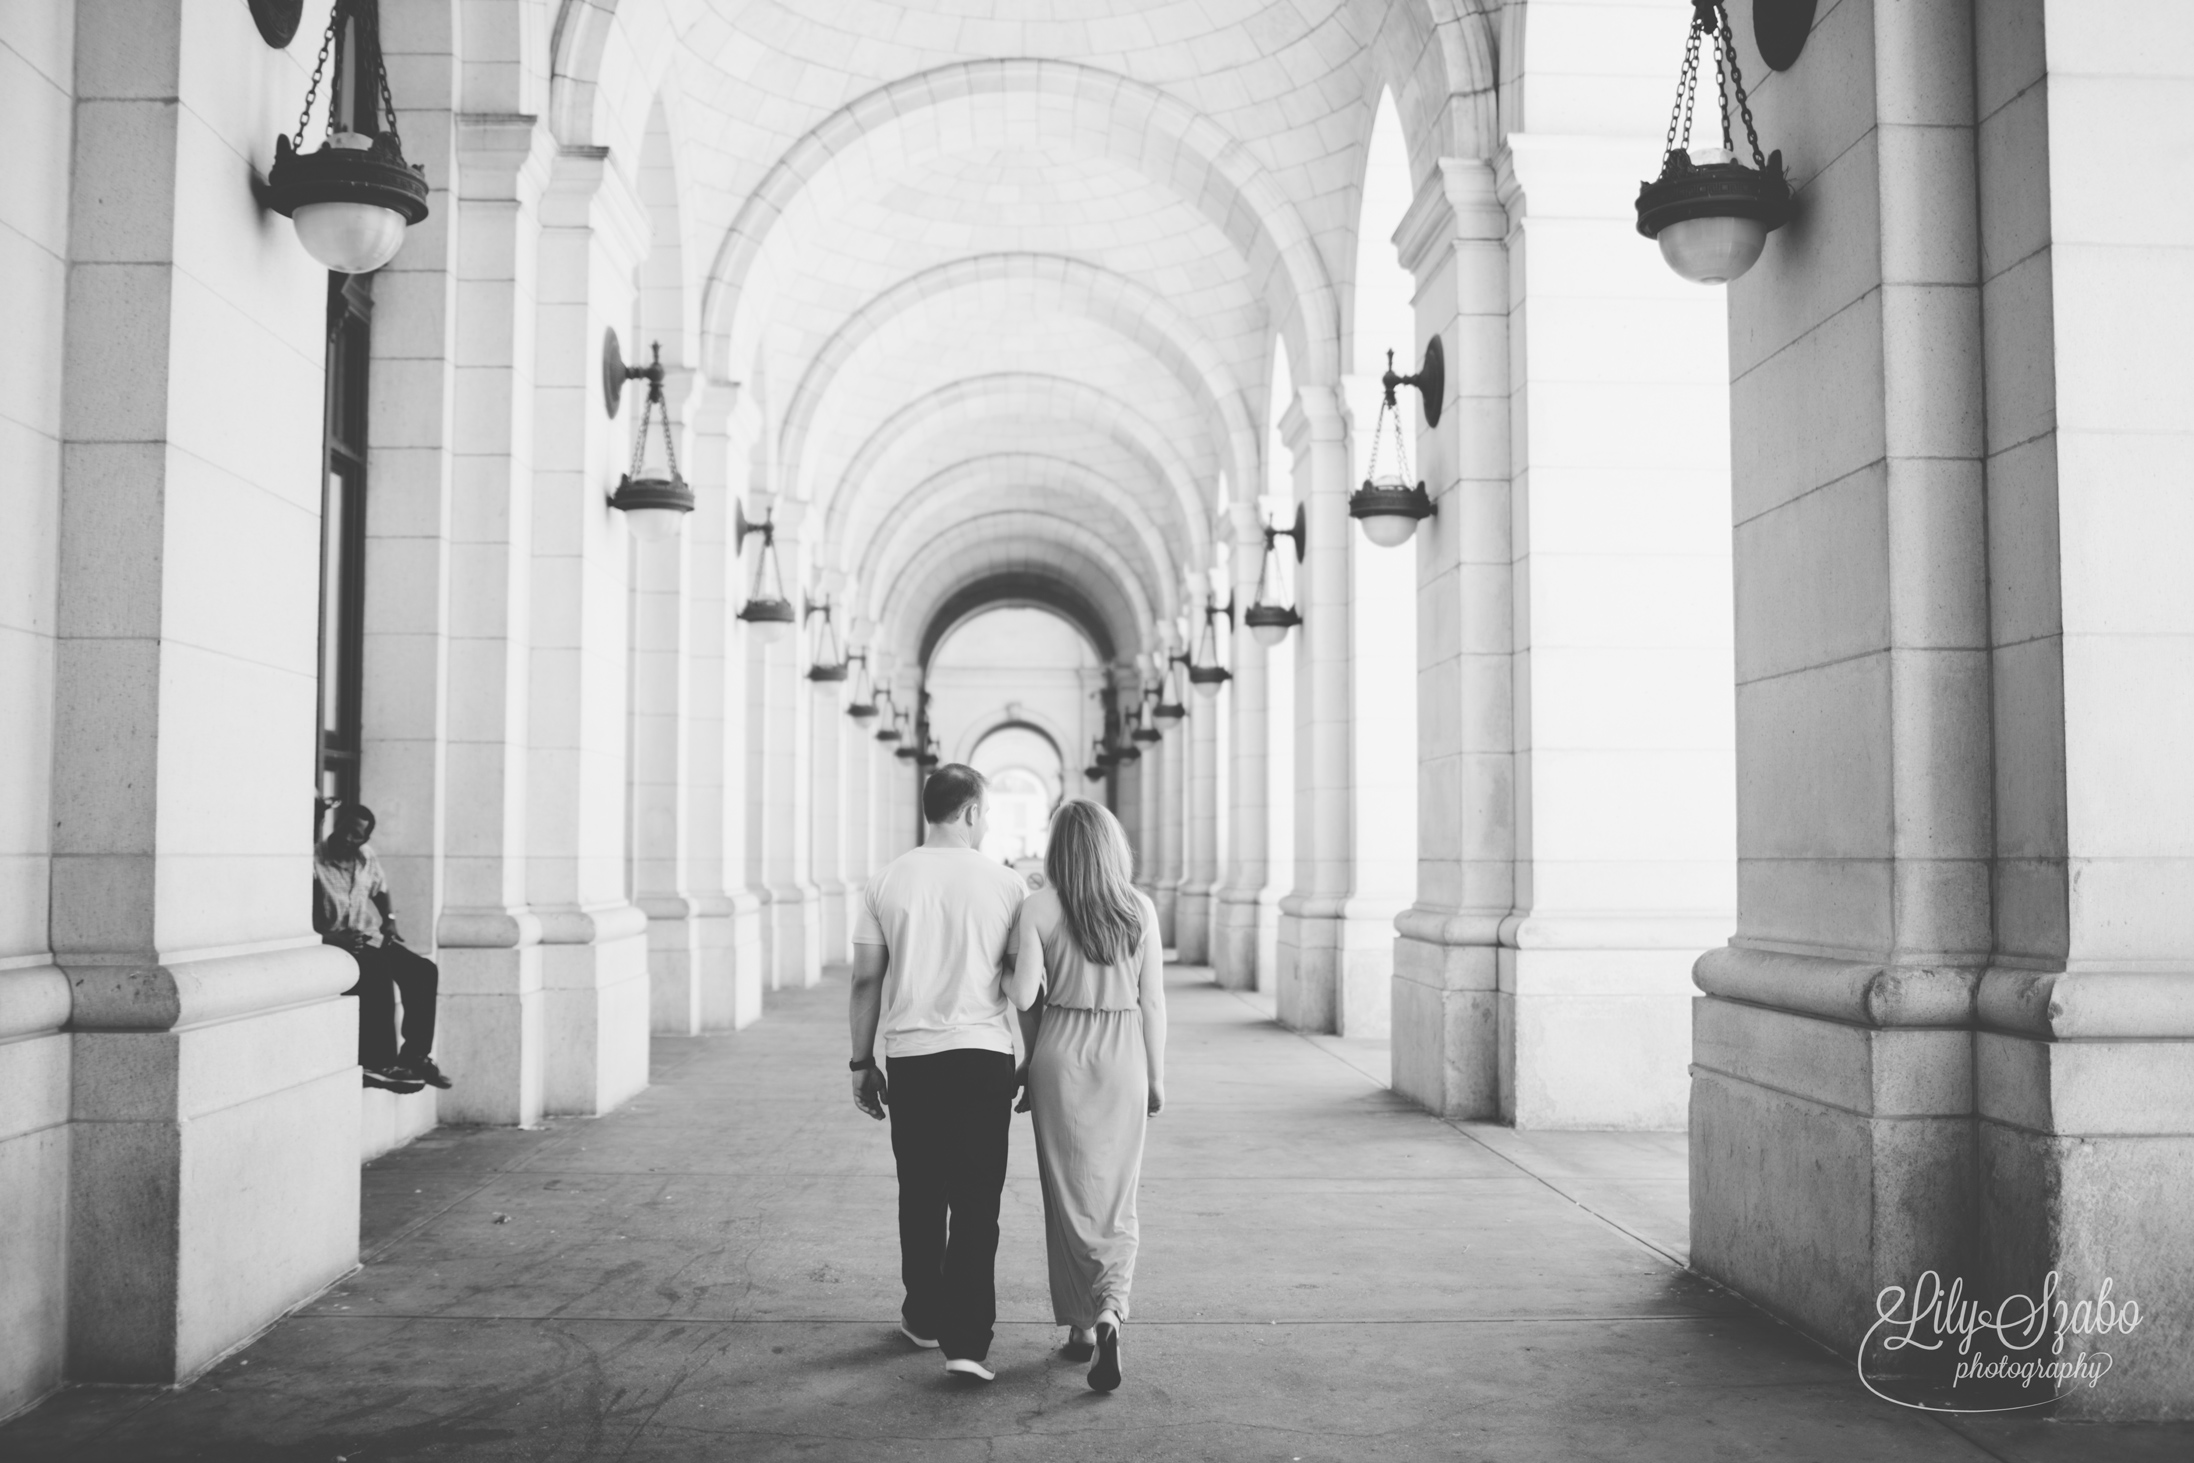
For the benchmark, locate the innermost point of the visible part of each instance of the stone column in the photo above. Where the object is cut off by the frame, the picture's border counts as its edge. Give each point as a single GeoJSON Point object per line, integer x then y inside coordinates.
{"type": "Point", "coordinates": [1237, 907]}
{"type": "Point", "coordinates": [1171, 754]}
{"type": "Point", "coordinates": [726, 912]}
{"type": "Point", "coordinates": [782, 759]}
{"type": "Point", "coordinates": [594, 959]}
{"type": "Point", "coordinates": [858, 811]}
{"type": "Point", "coordinates": [1832, 1132]}
{"type": "Point", "coordinates": [2086, 1114]}
{"type": "Point", "coordinates": [489, 1031]}
{"type": "Point", "coordinates": [662, 723]}
{"type": "Point", "coordinates": [212, 1159]}
{"type": "Point", "coordinates": [1149, 821]}
{"type": "Point", "coordinates": [1446, 962]}
{"type": "Point", "coordinates": [826, 741]}
{"type": "Point", "coordinates": [1200, 869]}
{"type": "Point", "coordinates": [1325, 954]}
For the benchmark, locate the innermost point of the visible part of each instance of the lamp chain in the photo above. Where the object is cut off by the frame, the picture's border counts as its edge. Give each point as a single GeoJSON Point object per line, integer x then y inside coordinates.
{"type": "Point", "coordinates": [369, 35]}
{"type": "Point", "coordinates": [1686, 90]}
{"type": "Point", "coordinates": [1744, 104]}
{"type": "Point", "coordinates": [319, 69]}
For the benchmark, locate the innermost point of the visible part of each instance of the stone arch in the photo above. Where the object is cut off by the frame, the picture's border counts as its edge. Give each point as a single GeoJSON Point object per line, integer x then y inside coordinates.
{"type": "Point", "coordinates": [1015, 589]}
{"type": "Point", "coordinates": [1078, 493]}
{"type": "Point", "coordinates": [977, 398]}
{"type": "Point", "coordinates": [1130, 120]}
{"type": "Point", "coordinates": [1008, 540]}
{"type": "Point", "coordinates": [1129, 307]}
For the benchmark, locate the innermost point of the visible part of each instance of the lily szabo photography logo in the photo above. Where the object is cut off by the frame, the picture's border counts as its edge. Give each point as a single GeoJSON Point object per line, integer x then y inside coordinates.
{"type": "Point", "coordinates": [1948, 1352]}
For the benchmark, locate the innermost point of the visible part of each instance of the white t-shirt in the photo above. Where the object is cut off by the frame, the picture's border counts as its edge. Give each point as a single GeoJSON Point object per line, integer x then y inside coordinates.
{"type": "Point", "coordinates": [946, 916]}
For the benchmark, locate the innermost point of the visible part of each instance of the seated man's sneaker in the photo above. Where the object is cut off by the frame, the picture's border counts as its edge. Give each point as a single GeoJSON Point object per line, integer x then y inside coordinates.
{"type": "Point", "coordinates": [423, 1069]}
{"type": "Point", "coordinates": [927, 1343]}
{"type": "Point", "coordinates": [972, 1371]}
{"type": "Point", "coordinates": [392, 1079]}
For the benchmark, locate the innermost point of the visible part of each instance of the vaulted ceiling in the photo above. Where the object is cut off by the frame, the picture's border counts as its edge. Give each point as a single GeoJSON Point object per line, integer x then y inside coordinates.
{"type": "Point", "coordinates": [1005, 276]}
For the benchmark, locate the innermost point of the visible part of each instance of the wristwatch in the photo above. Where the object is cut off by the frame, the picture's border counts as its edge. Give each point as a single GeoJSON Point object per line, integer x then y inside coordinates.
{"type": "Point", "coordinates": [863, 1065]}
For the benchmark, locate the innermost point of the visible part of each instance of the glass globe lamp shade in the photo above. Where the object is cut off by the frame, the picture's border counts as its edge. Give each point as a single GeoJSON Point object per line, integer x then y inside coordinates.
{"type": "Point", "coordinates": [1209, 690]}
{"type": "Point", "coordinates": [1389, 530]}
{"type": "Point", "coordinates": [1269, 635]}
{"type": "Point", "coordinates": [1168, 714]}
{"type": "Point", "coordinates": [653, 525]}
{"type": "Point", "coordinates": [1712, 250]}
{"type": "Point", "coordinates": [349, 238]}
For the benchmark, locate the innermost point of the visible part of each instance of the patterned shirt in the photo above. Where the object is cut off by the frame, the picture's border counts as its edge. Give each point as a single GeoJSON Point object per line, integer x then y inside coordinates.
{"type": "Point", "coordinates": [343, 890]}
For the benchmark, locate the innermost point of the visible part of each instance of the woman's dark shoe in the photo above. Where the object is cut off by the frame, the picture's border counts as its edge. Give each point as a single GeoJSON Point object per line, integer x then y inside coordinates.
{"type": "Point", "coordinates": [1080, 1345]}
{"type": "Point", "coordinates": [1105, 1375]}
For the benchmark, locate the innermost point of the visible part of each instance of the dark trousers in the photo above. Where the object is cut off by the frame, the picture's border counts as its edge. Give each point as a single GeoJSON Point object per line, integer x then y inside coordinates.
{"type": "Point", "coordinates": [385, 972]}
{"type": "Point", "coordinates": [950, 1112]}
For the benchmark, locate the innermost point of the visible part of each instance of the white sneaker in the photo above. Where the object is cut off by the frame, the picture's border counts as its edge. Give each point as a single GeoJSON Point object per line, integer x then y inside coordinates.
{"type": "Point", "coordinates": [974, 1371]}
{"type": "Point", "coordinates": [927, 1343]}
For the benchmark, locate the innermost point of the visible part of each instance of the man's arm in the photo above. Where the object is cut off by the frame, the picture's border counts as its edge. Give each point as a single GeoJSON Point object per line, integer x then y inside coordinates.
{"type": "Point", "coordinates": [388, 915]}
{"type": "Point", "coordinates": [864, 1011]}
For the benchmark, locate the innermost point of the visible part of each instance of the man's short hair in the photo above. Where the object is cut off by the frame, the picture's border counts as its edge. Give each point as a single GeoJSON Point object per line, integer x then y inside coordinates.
{"type": "Point", "coordinates": [949, 789]}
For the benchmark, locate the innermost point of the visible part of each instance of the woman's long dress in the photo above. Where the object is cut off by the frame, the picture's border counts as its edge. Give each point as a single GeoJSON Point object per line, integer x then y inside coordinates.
{"type": "Point", "coordinates": [1089, 1091]}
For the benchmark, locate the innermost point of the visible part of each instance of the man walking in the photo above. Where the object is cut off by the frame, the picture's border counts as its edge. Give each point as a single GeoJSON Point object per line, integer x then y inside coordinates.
{"type": "Point", "coordinates": [930, 953]}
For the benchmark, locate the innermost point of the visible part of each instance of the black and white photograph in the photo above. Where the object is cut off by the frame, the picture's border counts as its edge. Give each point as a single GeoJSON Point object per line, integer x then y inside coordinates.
{"type": "Point", "coordinates": [1097, 731]}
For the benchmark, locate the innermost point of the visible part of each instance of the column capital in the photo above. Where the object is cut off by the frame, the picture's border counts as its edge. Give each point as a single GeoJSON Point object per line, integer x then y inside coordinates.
{"type": "Point", "coordinates": [1462, 201]}
{"type": "Point", "coordinates": [1313, 416]}
{"type": "Point", "coordinates": [501, 156]}
{"type": "Point", "coordinates": [587, 190]}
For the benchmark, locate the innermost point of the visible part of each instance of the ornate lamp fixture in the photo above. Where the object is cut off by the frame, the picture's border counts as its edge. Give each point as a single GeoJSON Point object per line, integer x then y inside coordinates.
{"type": "Point", "coordinates": [1268, 619]}
{"type": "Point", "coordinates": [907, 751]}
{"type": "Point", "coordinates": [1710, 213]}
{"type": "Point", "coordinates": [1144, 728]}
{"type": "Point", "coordinates": [1169, 704]}
{"type": "Point", "coordinates": [893, 717]}
{"type": "Point", "coordinates": [1205, 673]}
{"type": "Point", "coordinates": [928, 757]}
{"type": "Point", "coordinates": [1386, 505]}
{"type": "Point", "coordinates": [831, 660]}
{"type": "Point", "coordinates": [654, 507]}
{"type": "Point", "coordinates": [769, 613]}
{"type": "Point", "coordinates": [354, 197]}
{"type": "Point", "coordinates": [1100, 761]}
{"type": "Point", "coordinates": [862, 708]}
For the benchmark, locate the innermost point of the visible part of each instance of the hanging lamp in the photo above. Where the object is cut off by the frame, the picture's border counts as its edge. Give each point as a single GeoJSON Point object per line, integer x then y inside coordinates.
{"type": "Point", "coordinates": [831, 661]}
{"type": "Point", "coordinates": [352, 198]}
{"type": "Point", "coordinates": [892, 717]}
{"type": "Point", "coordinates": [1266, 617]}
{"type": "Point", "coordinates": [654, 506]}
{"type": "Point", "coordinates": [1710, 213]}
{"type": "Point", "coordinates": [1205, 674]}
{"type": "Point", "coordinates": [1387, 504]}
{"type": "Point", "coordinates": [766, 609]}
{"type": "Point", "coordinates": [862, 708]}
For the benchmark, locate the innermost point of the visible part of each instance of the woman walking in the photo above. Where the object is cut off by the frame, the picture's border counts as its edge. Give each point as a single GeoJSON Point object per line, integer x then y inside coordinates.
{"type": "Point", "coordinates": [1089, 978]}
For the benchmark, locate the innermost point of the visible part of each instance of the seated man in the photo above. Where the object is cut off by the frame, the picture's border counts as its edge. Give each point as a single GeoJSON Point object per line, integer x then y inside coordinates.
{"type": "Point", "coordinates": [350, 908]}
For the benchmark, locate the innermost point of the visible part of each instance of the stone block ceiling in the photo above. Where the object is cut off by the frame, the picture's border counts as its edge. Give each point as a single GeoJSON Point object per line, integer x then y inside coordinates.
{"type": "Point", "coordinates": [1006, 279]}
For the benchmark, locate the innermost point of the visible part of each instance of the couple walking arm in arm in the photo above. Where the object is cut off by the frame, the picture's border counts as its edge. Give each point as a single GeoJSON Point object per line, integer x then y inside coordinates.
{"type": "Point", "coordinates": [947, 949]}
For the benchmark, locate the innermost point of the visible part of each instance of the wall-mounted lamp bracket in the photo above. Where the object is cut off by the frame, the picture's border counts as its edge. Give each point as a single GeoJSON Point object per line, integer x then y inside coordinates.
{"type": "Point", "coordinates": [1430, 379]}
{"type": "Point", "coordinates": [1296, 533]}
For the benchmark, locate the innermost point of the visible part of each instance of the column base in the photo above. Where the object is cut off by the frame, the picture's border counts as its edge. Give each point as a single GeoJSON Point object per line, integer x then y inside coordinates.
{"type": "Point", "coordinates": [674, 965]}
{"type": "Point", "coordinates": [1831, 1154]}
{"type": "Point", "coordinates": [1335, 969]}
{"type": "Point", "coordinates": [795, 937]}
{"type": "Point", "coordinates": [732, 974]}
{"type": "Point", "coordinates": [1446, 1028]}
{"type": "Point", "coordinates": [1192, 927]}
{"type": "Point", "coordinates": [212, 1166]}
{"type": "Point", "coordinates": [594, 1008]}
{"type": "Point", "coordinates": [1168, 899]}
{"type": "Point", "coordinates": [34, 1175]}
{"type": "Point", "coordinates": [834, 932]}
{"type": "Point", "coordinates": [489, 1031]}
{"type": "Point", "coordinates": [1237, 922]}
{"type": "Point", "coordinates": [2085, 1138]}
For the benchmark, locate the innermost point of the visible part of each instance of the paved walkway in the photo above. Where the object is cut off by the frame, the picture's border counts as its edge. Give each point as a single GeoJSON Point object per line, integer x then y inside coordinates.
{"type": "Point", "coordinates": [1328, 1274]}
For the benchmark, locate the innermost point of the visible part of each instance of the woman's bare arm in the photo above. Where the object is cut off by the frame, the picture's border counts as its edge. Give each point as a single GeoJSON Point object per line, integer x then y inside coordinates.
{"type": "Point", "coordinates": [1151, 997]}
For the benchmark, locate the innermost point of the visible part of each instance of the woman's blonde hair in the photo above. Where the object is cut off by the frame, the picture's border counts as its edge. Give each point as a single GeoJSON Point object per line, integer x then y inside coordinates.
{"type": "Point", "coordinates": [1089, 863]}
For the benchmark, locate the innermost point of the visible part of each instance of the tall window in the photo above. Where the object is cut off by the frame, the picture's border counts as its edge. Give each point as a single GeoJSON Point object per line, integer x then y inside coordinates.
{"type": "Point", "coordinates": [343, 532]}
